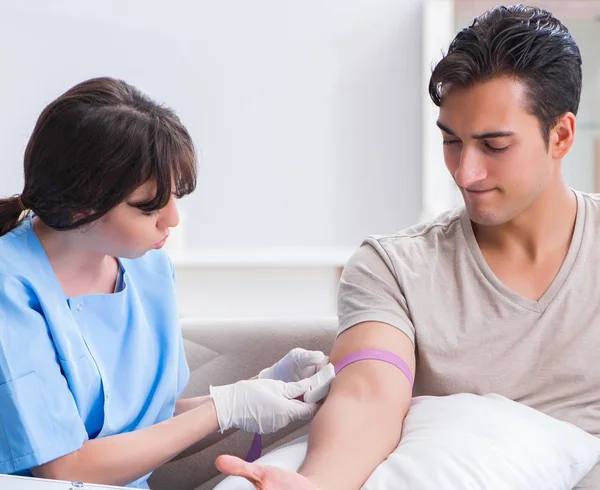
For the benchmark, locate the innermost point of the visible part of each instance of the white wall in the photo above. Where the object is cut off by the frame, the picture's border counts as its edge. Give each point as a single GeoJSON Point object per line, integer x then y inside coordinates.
{"type": "Point", "coordinates": [307, 114]}
{"type": "Point", "coordinates": [439, 190]}
{"type": "Point", "coordinates": [579, 163]}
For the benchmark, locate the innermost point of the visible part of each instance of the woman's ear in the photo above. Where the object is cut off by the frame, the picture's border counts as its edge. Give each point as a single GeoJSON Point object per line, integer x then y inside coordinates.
{"type": "Point", "coordinates": [81, 215]}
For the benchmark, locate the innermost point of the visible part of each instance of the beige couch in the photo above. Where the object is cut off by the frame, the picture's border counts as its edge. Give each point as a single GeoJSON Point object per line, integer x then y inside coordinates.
{"type": "Point", "coordinates": [223, 353]}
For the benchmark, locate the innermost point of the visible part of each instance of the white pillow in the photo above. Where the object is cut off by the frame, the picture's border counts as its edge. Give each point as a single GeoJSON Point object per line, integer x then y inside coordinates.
{"type": "Point", "coordinates": [465, 441]}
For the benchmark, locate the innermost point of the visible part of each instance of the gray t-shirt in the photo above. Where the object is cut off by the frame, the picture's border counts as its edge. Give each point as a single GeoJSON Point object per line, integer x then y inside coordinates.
{"type": "Point", "coordinates": [474, 334]}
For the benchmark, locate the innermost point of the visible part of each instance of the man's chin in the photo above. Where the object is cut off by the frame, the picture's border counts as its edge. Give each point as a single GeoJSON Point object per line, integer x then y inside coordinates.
{"type": "Point", "coordinates": [485, 217]}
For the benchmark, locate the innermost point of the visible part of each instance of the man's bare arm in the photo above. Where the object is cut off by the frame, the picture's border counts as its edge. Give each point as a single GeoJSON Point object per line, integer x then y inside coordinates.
{"type": "Point", "coordinates": [360, 423]}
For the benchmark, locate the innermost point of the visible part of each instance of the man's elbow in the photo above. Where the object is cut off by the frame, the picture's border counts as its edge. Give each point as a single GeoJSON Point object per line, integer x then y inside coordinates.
{"type": "Point", "coordinates": [378, 385]}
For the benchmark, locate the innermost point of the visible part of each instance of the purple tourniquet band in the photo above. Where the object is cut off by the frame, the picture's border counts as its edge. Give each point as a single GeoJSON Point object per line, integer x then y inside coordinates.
{"type": "Point", "coordinates": [255, 449]}
{"type": "Point", "coordinates": [376, 355]}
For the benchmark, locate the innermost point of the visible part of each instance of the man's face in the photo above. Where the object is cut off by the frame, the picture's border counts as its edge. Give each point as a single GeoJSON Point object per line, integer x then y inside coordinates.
{"type": "Point", "coordinates": [494, 149]}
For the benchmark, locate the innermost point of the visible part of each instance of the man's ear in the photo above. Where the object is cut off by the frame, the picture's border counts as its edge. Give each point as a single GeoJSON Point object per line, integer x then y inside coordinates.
{"type": "Point", "coordinates": [562, 136]}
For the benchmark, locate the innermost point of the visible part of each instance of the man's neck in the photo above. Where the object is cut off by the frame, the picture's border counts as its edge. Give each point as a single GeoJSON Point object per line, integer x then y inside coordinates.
{"type": "Point", "coordinates": [546, 226]}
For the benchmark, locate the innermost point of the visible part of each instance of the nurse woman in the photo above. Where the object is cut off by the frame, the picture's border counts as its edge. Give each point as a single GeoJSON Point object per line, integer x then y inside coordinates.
{"type": "Point", "coordinates": [91, 359]}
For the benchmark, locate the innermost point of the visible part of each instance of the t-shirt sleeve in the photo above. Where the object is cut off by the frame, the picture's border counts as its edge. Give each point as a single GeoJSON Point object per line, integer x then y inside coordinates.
{"type": "Point", "coordinates": [39, 419]}
{"type": "Point", "coordinates": [183, 373]}
{"type": "Point", "coordinates": [369, 291]}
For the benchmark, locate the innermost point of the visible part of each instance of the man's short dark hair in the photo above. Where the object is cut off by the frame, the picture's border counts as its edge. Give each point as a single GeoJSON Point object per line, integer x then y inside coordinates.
{"type": "Point", "coordinates": [527, 43]}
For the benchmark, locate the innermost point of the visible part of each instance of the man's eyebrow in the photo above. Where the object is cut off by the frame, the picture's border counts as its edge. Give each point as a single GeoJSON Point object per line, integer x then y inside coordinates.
{"type": "Point", "coordinates": [483, 136]}
{"type": "Point", "coordinates": [444, 128]}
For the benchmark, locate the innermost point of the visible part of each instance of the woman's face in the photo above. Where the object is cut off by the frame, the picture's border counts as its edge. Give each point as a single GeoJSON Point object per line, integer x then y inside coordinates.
{"type": "Point", "coordinates": [128, 232]}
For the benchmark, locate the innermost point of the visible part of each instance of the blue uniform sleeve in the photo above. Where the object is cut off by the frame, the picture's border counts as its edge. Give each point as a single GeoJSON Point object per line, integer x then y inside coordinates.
{"type": "Point", "coordinates": [183, 375]}
{"type": "Point", "coordinates": [39, 419]}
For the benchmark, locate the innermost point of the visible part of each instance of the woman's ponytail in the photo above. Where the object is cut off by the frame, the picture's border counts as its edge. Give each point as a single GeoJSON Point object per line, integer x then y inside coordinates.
{"type": "Point", "coordinates": [12, 212]}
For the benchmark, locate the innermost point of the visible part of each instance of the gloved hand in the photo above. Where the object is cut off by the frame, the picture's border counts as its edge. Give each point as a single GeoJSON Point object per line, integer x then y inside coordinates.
{"type": "Point", "coordinates": [297, 364]}
{"type": "Point", "coordinates": [261, 405]}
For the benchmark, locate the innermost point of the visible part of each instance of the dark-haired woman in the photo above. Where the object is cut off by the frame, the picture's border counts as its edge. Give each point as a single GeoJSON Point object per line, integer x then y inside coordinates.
{"type": "Point", "coordinates": [91, 359]}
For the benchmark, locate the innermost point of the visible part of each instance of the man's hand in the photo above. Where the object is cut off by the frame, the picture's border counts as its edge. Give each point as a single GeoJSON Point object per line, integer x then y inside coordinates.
{"type": "Point", "coordinates": [297, 364]}
{"type": "Point", "coordinates": [263, 477]}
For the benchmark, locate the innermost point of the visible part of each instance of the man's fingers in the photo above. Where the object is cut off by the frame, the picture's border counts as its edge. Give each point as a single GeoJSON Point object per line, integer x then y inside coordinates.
{"type": "Point", "coordinates": [231, 465]}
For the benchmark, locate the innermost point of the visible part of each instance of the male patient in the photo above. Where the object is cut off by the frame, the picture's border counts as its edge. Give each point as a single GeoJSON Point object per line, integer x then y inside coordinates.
{"type": "Point", "coordinates": [498, 296]}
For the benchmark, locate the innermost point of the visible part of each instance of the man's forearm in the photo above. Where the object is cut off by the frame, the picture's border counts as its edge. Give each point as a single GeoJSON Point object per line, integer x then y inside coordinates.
{"type": "Point", "coordinates": [356, 429]}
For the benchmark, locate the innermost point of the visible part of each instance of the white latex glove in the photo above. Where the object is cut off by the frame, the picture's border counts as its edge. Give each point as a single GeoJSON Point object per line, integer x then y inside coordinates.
{"type": "Point", "coordinates": [297, 364]}
{"type": "Point", "coordinates": [261, 405]}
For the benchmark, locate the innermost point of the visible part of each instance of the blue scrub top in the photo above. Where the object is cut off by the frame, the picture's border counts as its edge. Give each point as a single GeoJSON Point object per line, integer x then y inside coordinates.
{"type": "Point", "coordinates": [78, 368]}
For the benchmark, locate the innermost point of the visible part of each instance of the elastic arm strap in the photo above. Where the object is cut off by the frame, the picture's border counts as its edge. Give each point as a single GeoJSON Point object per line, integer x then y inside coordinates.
{"type": "Point", "coordinates": [376, 355]}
